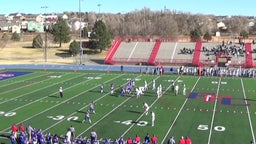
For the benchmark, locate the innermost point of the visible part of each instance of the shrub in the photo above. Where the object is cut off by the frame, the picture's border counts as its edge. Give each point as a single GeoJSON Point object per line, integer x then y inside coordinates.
{"type": "Point", "coordinates": [74, 48]}
{"type": "Point", "coordinates": [15, 37]}
{"type": "Point", "coordinates": [37, 42]}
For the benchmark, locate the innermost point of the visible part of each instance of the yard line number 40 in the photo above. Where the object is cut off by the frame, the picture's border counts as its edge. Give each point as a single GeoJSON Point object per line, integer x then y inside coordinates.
{"type": "Point", "coordinates": [216, 128]}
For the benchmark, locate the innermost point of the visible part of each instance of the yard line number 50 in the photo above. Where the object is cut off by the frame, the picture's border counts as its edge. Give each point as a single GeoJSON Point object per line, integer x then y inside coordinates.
{"type": "Point", "coordinates": [216, 128]}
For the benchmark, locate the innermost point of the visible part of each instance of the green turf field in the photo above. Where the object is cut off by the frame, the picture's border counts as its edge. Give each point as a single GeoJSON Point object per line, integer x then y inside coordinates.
{"type": "Point", "coordinates": [33, 99]}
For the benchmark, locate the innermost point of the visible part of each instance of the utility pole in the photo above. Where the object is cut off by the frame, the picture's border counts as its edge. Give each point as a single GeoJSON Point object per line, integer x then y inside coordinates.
{"type": "Point", "coordinates": [80, 34]}
{"type": "Point", "coordinates": [45, 32]}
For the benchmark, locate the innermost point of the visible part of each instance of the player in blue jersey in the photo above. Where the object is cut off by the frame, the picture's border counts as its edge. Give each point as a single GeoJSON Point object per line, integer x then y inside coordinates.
{"type": "Point", "coordinates": [92, 106]}
{"type": "Point", "coordinates": [147, 138]}
{"type": "Point", "coordinates": [87, 117]}
{"type": "Point", "coordinates": [13, 139]}
{"type": "Point", "coordinates": [55, 139]}
{"type": "Point", "coordinates": [48, 138]}
{"type": "Point", "coordinates": [171, 140]}
{"type": "Point", "coordinates": [121, 140]}
{"type": "Point", "coordinates": [79, 140]}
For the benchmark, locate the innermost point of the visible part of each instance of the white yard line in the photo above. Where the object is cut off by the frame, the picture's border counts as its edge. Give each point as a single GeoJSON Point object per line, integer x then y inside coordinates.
{"type": "Point", "coordinates": [248, 112]}
{"type": "Point", "coordinates": [144, 112]}
{"type": "Point", "coordinates": [175, 47]}
{"type": "Point", "coordinates": [65, 100]}
{"type": "Point", "coordinates": [133, 49]}
{"type": "Point", "coordinates": [175, 119]}
{"type": "Point", "coordinates": [214, 111]}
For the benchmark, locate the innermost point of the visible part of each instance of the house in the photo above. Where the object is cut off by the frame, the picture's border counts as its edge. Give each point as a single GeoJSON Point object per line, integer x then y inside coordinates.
{"type": "Point", "coordinates": [34, 26]}
{"type": "Point", "coordinates": [76, 25]}
{"type": "Point", "coordinates": [5, 26]}
{"type": "Point", "coordinates": [16, 28]}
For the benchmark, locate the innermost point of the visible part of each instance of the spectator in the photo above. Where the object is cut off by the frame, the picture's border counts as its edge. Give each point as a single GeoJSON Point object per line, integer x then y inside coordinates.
{"type": "Point", "coordinates": [182, 140]}
{"type": "Point", "coordinates": [188, 140]}
{"type": "Point", "coordinates": [154, 139]}
{"type": "Point", "coordinates": [147, 138]}
{"type": "Point", "coordinates": [21, 128]}
{"type": "Point", "coordinates": [14, 130]}
{"type": "Point", "coordinates": [137, 139]}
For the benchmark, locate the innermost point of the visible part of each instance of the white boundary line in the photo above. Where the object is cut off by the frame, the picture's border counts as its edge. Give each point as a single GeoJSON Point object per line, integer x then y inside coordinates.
{"type": "Point", "coordinates": [214, 111]}
{"type": "Point", "coordinates": [175, 119]}
{"type": "Point", "coordinates": [248, 112]}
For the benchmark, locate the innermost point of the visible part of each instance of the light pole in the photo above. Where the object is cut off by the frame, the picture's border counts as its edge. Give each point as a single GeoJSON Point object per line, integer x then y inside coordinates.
{"type": "Point", "coordinates": [80, 34]}
{"type": "Point", "coordinates": [99, 7]}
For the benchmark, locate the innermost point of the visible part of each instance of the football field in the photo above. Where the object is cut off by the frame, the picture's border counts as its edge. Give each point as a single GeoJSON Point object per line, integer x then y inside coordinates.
{"type": "Point", "coordinates": [215, 110]}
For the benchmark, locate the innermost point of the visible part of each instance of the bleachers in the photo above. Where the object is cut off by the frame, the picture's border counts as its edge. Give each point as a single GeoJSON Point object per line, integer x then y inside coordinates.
{"type": "Point", "coordinates": [173, 53]}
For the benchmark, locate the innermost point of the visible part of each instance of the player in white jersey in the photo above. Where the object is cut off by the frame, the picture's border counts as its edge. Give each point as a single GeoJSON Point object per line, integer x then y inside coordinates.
{"type": "Point", "coordinates": [138, 92]}
{"type": "Point", "coordinates": [145, 85]}
{"type": "Point", "coordinates": [176, 89]}
{"type": "Point", "coordinates": [146, 108]}
{"type": "Point", "coordinates": [152, 119]}
{"type": "Point", "coordinates": [184, 89]}
{"type": "Point", "coordinates": [153, 84]}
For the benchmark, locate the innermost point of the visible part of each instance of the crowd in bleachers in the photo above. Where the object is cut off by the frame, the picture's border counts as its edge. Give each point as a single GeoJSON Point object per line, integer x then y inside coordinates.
{"type": "Point", "coordinates": [186, 51]}
{"type": "Point", "coordinates": [227, 49]}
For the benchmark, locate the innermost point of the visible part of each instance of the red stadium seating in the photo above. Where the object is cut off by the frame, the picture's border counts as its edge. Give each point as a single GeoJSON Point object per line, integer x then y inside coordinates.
{"type": "Point", "coordinates": [154, 52]}
{"type": "Point", "coordinates": [249, 59]}
{"type": "Point", "coordinates": [197, 52]}
{"type": "Point", "coordinates": [112, 51]}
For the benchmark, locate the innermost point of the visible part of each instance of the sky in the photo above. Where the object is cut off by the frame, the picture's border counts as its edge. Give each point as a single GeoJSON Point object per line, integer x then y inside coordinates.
{"type": "Point", "coordinates": [215, 7]}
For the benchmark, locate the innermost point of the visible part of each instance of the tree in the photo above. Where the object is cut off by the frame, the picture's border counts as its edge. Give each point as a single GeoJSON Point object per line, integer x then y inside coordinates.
{"type": "Point", "coordinates": [195, 35]}
{"type": "Point", "coordinates": [207, 36]}
{"type": "Point", "coordinates": [15, 37]}
{"type": "Point", "coordinates": [61, 32]}
{"type": "Point", "coordinates": [37, 42]}
{"type": "Point", "coordinates": [244, 34]}
{"type": "Point", "coordinates": [100, 37]}
{"type": "Point", "coordinates": [84, 32]}
{"type": "Point", "coordinates": [74, 48]}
